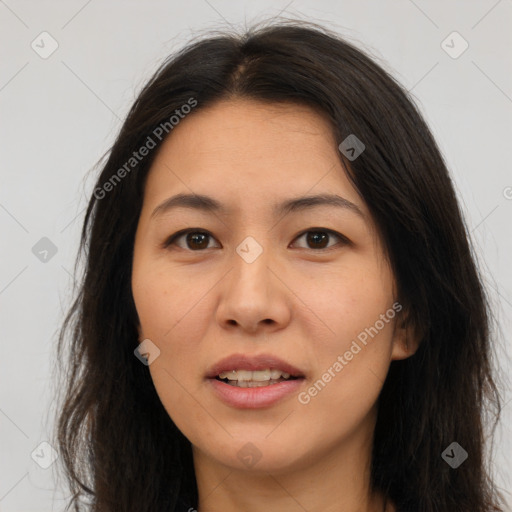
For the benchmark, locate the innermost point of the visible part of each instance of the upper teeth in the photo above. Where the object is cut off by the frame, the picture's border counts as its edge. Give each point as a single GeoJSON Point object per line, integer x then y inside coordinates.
{"type": "Point", "coordinates": [259, 376]}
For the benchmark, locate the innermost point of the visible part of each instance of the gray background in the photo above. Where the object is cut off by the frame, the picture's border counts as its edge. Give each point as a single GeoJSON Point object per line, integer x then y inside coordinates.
{"type": "Point", "coordinates": [60, 114]}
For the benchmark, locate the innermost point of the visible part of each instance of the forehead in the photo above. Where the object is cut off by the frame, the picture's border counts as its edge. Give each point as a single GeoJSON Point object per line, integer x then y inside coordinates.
{"type": "Point", "coordinates": [246, 153]}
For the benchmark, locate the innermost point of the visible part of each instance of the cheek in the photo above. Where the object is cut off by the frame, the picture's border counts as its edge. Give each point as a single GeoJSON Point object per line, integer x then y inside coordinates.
{"type": "Point", "coordinates": [348, 302]}
{"type": "Point", "coordinates": [351, 371]}
{"type": "Point", "coordinates": [163, 299]}
{"type": "Point", "coordinates": [352, 359]}
{"type": "Point", "coordinates": [172, 311]}
{"type": "Point", "coordinates": [169, 309]}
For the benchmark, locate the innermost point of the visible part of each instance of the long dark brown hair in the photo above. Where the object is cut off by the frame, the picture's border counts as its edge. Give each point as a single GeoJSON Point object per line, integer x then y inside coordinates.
{"type": "Point", "coordinates": [120, 449]}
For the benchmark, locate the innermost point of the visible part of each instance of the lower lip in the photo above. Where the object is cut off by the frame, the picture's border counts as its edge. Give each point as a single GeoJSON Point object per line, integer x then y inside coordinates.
{"type": "Point", "coordinates": [254, 398]}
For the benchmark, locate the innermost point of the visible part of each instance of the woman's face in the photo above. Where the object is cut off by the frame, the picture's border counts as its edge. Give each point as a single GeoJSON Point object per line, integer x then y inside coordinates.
{"type": "Point", "coordinates": [307, 285]}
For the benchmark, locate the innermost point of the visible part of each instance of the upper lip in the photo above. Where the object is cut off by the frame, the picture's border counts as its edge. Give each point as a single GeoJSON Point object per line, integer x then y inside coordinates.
{"type": "Point", "coordinates": [252, 363]}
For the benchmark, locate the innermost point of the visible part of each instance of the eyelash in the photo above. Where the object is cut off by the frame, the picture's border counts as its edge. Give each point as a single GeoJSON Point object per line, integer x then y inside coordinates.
{"type": "Point", "coordinates": [173, 238]}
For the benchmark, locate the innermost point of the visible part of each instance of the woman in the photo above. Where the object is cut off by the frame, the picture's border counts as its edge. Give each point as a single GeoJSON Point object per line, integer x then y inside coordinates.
{"type": "Point", "coordinates": [280, 309]}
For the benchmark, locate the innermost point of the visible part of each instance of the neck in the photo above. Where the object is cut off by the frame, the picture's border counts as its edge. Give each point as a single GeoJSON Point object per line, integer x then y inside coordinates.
{"type": "Point", "coordinates": [335, 480]}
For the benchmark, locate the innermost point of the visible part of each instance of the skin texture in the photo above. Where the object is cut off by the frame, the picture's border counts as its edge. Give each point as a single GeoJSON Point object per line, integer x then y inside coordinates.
{"type": "Point", "coordinates": [304, 303]}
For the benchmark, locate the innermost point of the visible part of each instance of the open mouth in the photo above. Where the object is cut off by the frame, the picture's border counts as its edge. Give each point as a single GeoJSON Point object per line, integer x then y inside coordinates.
{"type": "Point", "coordinates": [253, 383]}
{"type": "Point", "coordinates": [255, 379]}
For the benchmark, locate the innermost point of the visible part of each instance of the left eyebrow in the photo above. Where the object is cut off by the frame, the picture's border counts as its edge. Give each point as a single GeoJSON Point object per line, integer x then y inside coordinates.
{"type": "Point", "coordinates": [310, 202]}
{"type": "Point", "coordinates": [209, 204]}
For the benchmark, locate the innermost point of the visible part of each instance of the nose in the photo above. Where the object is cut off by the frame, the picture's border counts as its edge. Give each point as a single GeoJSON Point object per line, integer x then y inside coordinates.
{"type": "Point", "coordinates": [253, 296]}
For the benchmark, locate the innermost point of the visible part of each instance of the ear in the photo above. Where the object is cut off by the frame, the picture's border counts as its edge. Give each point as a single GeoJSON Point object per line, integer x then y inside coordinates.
{"type": "Point", "coordinates": [406, 337]}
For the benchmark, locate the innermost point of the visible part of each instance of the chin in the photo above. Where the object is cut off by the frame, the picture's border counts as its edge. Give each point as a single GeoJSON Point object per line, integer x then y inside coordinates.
{"type": "Point", "coordinates": [257, 454]}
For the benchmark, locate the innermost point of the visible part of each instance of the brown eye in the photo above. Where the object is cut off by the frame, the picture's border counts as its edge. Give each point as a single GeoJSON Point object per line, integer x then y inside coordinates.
{"type": "Point", "coordinates": [197, 240]}
{"type": "Point", "coordinates": [194, 240]}
{"type": "Point", "coordinates": [319, 239]}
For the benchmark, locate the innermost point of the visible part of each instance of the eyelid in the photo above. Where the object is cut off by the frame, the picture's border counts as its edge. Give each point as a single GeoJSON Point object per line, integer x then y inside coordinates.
{"type": "Point", "coordinates": [344, 240]}
{"type": "Point", "coordinates": [171, 240]}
